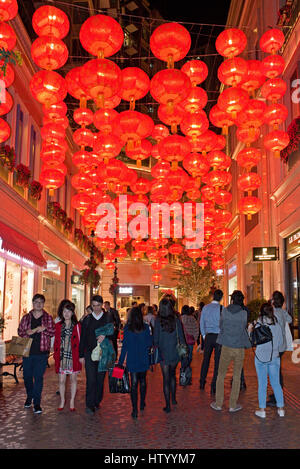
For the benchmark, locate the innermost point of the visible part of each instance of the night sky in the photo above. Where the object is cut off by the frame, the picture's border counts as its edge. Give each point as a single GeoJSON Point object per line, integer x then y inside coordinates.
{"type": "Point", "coordinates": [209, 11]}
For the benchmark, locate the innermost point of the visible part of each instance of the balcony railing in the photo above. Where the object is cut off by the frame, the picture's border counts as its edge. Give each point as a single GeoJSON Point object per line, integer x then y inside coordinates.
{"type": "Point", "coordinates": [288, 17]}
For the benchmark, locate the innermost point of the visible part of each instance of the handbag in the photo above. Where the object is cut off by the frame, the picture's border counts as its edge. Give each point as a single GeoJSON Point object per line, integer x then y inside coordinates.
{"type": "Point", "coordinates": [185, 376]}
{"type": "Point", "coordinates": [19, 346]}
{"type": "Point", "coordinates": [289, 338]}
{"type": "Point", "coordinates": [182, 349]}
{"type": "Point", "coordinates": [119, 385]}
{"type": "Point", "coordinates": [154, 356]}
{"type": "Point", "coordinates": [261, 335]}
{"type": "Point", "coordinates": [96, 353]}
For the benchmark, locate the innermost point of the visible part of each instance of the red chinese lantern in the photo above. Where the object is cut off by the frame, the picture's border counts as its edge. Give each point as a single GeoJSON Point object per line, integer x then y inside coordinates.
{"type": "Point", "coordinates": [81, 202]}
{"type": "Point", "coordinates": [101, 36]}
{"type": "Point", "coordinates": [275, 114]}
{"type": "Point", "coordinates": [248, 157]}
{"type": "Point", "coordinates": [159, 132]}
{"type": "Point", "coordinates": [222, 217]}
{"type": "Point", "coordinates": [218, 178]}
{"type": "Point", "coordinates": [140, 152]}
{"type": "Point", "coordinates": [83, 116]}
{"type": "Point", "coordinates": [9, 76]}
{"type": "Point", "coordinates": [223, 235]}
{"type": "Point", "coordinates": [108, 146]}
{"type": "Point", "coordinates": [156, 278]}
{"type": "Point", "coordinates": [141, 186]}
{"type": "Point", "coordinates": [276, 141]}
{"type": "Point", "coordinates": [50, 21]}
{"type": "Point", "coordinates": [194, 124]}
{"type": "Point", "coordinates": [8, 37]}
{"type": "Point", "coordinates": [170, 42]}
{"type": "Point", "coordinates": [196, 165]}
{"type": "Point", "coordinates": [174, 148]}
{"type": "Point", "coordinates": [247, 137]}
{"type": "Point", "coordinates": [196, 70]}
{"type": "Point", "coordinates": [128, 178]}
{"type": "Point", "coordinates": [231, 42]}
{"type": "Point", "coordinates": [132, 127]}
{"type": "Point", "coordinates": [202, 263]}
{"type": "Point", "coordinates": [8, 9]}
{"type": "Point", "coordinates": [161, 170]}
{"type": "Point", "coordinates": [196, 100]}
{"type": "Point", "coordinates": [61, 121]}
{"type": "Point", "coordinates": [249, 182]}
{"type": "Point", "coordinates": [53, 132]}
{"type": "Point", "coordinates": [232, 72]}
{"type": "Point", "coordinates": [48, 87]}
{"type": "Point", "coordinates": [105, 120]}
{"type": "Point", "coordinates": [49, 53]}
{"type": "Point", "coordinates": [223, 197]}
{"type": "Point", "coordinates": [83, 159]}
{"type": "Point", "coordinates": [83, 137]}
{"type": "Point", "coordinates": [175, 249]}
{"type": "Point", "coordinates": [271, 41]}
{"type": "Point", "coordinates": [173, 118]}
{"type": "Point", "coordinates": [51, 153]}
{"type": "Point", "coordinates": [205, 142]}
{"type": "Point", "coordinates": [156, 265]}
{"type": "Point", "coordinates": [255, 78]}
{"type": "Point", "coordinates": [273, 89]}
{"type": "Point", "coordinates": [208, 193]}
{"type": "Point", "coordinates": [135, 84]}
{"type": "Point", "coordinates": [55, 111]}
{"type": "Point", "coordinates": [218, 160]}
{"type": "Point", "coordinates": [6, 104]}
{"type": "Point", "coordinates": [177, 180]}
{"type": "Point", "coordinates": [75, 87]}
{"type": "Point", "coordinates": [111, 265]}
{"type": "Point", "coordinates": [51, 178]}
{"type": "Point", "coordinates": [81, 182]}
{"type": "Point", "coordinates": [112, 172]}
{"type": "Point", "coordinates": [101, 78]}
{"type": "Point", "coordinates": [4, 131]}
{"type": "Point", "coordinates": [217, 262]}
{"type": "Point", "coordinates": [249, 205]}
{"type": "Point", "coordinates": [170, 87]}
{"type": "Point", "coordinates": [220, 119]}
{"type": "Point", "coordinates": [252, 116]}
{"type": "Point", "coordinates": [272, 66]}
{"type": "Point", "coordinates": [233, 100]}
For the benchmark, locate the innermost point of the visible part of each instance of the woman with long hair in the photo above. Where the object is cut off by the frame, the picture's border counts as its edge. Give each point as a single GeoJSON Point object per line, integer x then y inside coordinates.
{"type": "Point", "coordinates": [267, 361]}
{"type": "Point", "coordinates": [191, 331]}
{"type": "Point", "coordinates": [166, 330]}
{"type": "Point", "coordinates": [136, 344]}
{"type": "Point", "coordinates": [66, 351]}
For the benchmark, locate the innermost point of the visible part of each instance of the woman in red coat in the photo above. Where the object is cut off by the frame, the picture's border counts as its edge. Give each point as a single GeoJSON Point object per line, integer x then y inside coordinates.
{"type": "Point", "coordinates": [66, 352]}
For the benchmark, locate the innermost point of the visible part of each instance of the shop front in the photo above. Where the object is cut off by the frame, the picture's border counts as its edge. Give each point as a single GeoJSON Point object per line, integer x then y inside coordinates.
{"type": "Point", "coordinates": [232, 278]}
{"type": "Point", "coordinates": [292, 247]}
{"type": "Point", "coordinates": [20, 260]}
{"type": "Point", "coordinates": [78, 294]}
{"type": "Point", "coordinates": [54, 283]}
{"type": "Point", "coordinates": [127, 294]}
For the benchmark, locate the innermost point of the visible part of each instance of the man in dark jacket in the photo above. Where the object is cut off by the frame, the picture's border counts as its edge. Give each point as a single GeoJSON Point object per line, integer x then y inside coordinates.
{"type": "Point", "coordinates": [113, 313]}
{"type": "Point", "coordinates": [88, 341]}
{"type": "Point", "coordinates": [234, 339]}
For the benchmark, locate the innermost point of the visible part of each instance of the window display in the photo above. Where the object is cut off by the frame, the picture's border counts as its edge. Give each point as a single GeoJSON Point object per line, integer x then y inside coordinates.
{"type": "Point", "coordinates": [12, 299]}
{"type": "Point", "coordinates": [26, 290]}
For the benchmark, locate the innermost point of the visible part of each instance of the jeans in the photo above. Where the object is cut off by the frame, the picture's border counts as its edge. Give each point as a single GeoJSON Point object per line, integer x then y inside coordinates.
{"type": "Point", "coordinates": [264, 370]}
{"type": "Point", "coordinates": [229, 354]}
{"type": "Point", "coordinates": [34, 368]}
{"type": "Point", "coordinates": [210, 344]}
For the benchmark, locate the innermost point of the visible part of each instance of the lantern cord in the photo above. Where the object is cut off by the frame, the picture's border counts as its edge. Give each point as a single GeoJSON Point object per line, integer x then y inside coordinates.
{"type": "Point", "coordinates": [141, 18]}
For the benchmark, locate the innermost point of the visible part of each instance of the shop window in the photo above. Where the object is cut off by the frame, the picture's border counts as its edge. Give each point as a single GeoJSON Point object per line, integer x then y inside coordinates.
{"type": "Point", "coordinates": [12, 299]}
{"type": "Point", "coordinates": [26, 290]}
{"type": "Point", "coordinates": [2, 275]}
{"type": "Point", "coordinates": [32, 150]}
{"type": "Point", "coordinates": [54, 283]}
{"type": "Point", "coordinates": [295, 92]}
{"type": "Point", "coordinates": [19, 134]}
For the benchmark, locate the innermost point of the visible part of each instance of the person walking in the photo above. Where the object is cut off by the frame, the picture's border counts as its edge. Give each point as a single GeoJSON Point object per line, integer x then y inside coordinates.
{"type": "Point", "coordinates": [66, 352]}
{"type": "Point", "coordinates": [117, 323]}
{"type": "Point", "coordinates": [166, 330]}
{"type": "Point", "coordinates": [149, 318]}
{"type": "Point", "coordinates": [283, 319]}
{"type": "Point", "coordinates": [234, 339]}
{"type": "Point", "coordinates": [135, 348]}
{"type": "Point", "coordinates": [267, 361]}
{"type": "Point", "coordinates": [88, 341]}
{"type": "Point", "coordinates": [210, 328]}
{"type": "Point", "coordinates": [40, 327]}
{"type": "Point", "coordinates": [191, 332]}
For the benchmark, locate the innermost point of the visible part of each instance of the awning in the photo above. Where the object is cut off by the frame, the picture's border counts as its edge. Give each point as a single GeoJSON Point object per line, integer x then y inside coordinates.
{"type": "Point", "coordinates": [16, 243]}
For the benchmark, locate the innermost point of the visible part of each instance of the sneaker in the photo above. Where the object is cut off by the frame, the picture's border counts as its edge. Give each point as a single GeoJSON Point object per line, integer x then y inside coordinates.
{"type": "Point", "coordinates": [281, 412]}
{"type": "Point", "coordinates": [37, 409]}
{"type": "Point", "coordinates": [89, 411]}
{"type": "Point", "coordinates": [235, 409]}
{"type": "Point", "coordinates": [28, 403]}
{"type": "Point", "coordinates": [214, 406]}
{"type": "Point", "coordinates": [260, 413]}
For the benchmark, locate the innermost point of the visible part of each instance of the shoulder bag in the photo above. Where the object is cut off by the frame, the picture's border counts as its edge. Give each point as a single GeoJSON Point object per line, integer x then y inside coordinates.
{"type": "Point", "coordinates": [182, 349]}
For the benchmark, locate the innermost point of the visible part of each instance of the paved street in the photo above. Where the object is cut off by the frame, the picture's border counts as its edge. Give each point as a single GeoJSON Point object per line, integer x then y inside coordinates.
{"type": "Point", "coordinates": [192, 425]}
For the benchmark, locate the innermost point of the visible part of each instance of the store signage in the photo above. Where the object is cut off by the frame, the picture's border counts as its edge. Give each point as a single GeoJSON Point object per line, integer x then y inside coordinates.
{"type": "Point", "coordinates": [53, 266]}
{"type": "Point", "coordinates": [156, 287]}
{"type": "Point", "coordinates": [126, 290]}
{"type": "Point", "coordinates": [75, 279]}
{"type": "Point", "coordinates": [270, 253]}
{"type": "Point", "coordinates": [294, 239]}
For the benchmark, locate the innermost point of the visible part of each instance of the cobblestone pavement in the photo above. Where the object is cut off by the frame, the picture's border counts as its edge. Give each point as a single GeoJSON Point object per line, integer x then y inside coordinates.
{"type": "Point", "coordinates": [191, 425]}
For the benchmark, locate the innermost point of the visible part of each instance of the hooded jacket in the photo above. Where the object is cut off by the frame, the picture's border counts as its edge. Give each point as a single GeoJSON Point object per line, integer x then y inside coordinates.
{"type": "Point", "coordinates": [233, 324]}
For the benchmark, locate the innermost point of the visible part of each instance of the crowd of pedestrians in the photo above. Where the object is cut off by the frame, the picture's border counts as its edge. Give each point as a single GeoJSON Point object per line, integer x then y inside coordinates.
{"type": "Point", "coordinates": [155, 335]}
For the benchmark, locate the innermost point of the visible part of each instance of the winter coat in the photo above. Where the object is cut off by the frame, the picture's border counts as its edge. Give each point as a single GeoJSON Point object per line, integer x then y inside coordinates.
{"type": "Point", "coordinates": [108, 355]}
{"type": "Point", "coordinates": [75, 339]}
{"type": "Point", "coordinates": [136, 347]}
{"type": "Point", "coordinates": [233, 327]}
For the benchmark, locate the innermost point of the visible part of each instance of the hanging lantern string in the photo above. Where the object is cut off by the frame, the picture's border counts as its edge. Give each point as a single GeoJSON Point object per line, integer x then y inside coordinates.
{"type": "Point", "coordinates": [141, 18]}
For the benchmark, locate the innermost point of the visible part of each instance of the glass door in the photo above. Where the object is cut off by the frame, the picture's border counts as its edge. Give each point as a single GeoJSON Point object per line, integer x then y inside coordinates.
{"type": "Point", "coordinates": [294, 294]}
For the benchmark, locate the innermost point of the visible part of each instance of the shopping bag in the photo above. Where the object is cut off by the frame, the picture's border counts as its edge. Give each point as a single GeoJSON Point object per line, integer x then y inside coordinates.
{"type": "Point", "coordinates": [185, 376]}
{"type": "Point", "coordinates": [96, 353]}
{"type": "Point", "coordinates": [19, 346]}
{"type": "Point", "coordinates": [154, 356]}
{"type": "Point", "coordinates": [289, 338]}
{"type": "Point", "coordinates": [118, 385]}
{"type": "Point", "coordinates": [118, 372]}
